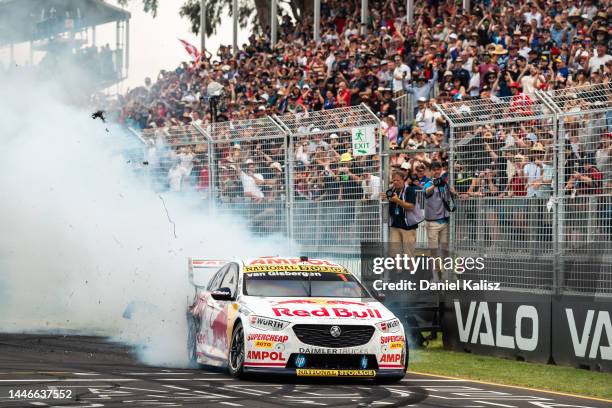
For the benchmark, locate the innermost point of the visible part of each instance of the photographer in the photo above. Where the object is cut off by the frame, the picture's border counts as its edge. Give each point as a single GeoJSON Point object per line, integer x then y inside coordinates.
{"type": "Point", "coordinates": [404, 212]}
{"type": "Point", "coordinates": [439, 204]}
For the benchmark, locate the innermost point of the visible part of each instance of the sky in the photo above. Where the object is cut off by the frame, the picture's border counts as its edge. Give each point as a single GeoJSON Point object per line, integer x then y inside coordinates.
{"type": "Point", "coordinates": [154, 42]}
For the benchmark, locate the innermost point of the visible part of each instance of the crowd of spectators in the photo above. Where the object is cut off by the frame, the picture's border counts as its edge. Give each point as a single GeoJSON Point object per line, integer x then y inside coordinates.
{"type": "Point", "coordinates": [498, 49]}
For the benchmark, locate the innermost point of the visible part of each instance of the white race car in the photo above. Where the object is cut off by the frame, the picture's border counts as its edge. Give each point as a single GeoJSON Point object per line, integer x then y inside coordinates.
{"type": "Point", "coordinates": [300, 316]}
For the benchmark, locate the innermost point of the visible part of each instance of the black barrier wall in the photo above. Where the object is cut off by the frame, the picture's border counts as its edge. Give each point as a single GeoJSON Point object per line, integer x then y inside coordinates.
{"type": "Point", "coordinates": [566, 330]}
{"type": "Point", "coordinates": [502, 324]}
{"type": "Point", "coordinates": [582, 332]}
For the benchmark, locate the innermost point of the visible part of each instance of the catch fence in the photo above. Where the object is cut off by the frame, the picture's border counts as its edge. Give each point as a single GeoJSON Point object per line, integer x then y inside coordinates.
{"type": "Point", "coordinates": [315, 178]}
{"type": "Point", "coordinates": [533, 175]}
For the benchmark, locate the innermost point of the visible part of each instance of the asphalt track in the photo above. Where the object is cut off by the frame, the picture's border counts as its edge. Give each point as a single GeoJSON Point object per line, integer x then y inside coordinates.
{"type": "Point", "coordinates": [101, 374]}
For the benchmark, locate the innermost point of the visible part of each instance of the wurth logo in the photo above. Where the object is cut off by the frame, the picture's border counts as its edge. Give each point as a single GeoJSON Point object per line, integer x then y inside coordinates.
{"type": "Point", "coordinates": [601, 330]}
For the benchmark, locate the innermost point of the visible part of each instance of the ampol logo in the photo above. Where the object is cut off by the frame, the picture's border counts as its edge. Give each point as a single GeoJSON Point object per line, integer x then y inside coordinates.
{"type": "Point", "coordinates": [265, 355]}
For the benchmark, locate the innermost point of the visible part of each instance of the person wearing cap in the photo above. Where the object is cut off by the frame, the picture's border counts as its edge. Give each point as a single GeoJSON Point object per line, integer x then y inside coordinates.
{"type": "Point", "coordinates": [524, 48]}
{"type": "Point", "coordinates": [405, 214]}
{"type": "Point", "coordinates": [587, 179]}
{"type": "Point", "coordinates": [461, 73]}
{"type": "Point", "coordinates": [425, 118]}
{"type": "Point", "coordinates": [439, 196]}
{"type": "Point", "coordinates": [423, 88]}
{"type": "Point", "coordinates": [350, 191]}
{"type": "Point", "coordinates": [534, 172]}
{"type": "Point", "coordinates": [252, 182]}
{"type": "Point", "coordinates": [598, 62]}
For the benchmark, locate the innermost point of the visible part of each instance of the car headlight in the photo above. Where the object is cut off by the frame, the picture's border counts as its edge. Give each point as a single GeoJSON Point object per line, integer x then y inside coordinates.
{"type": "Point", "coordinates": [390, 326]}
{"type": "Point", "coordinates": [266, 323]}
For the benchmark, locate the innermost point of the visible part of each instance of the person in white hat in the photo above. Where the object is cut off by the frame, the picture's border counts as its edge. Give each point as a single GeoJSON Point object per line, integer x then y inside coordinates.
{"type": "Point", "coordinates": [251, 182]}
{"type": "Point", "coordinates": [425, 118]}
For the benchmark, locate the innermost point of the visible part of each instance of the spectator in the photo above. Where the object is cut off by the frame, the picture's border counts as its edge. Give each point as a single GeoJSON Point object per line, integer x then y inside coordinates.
{"type": "Point", "coordinates": [405, 214]}
{"type": "Point", "coordinates": [438, 199]}
{"type": "Point", "coordinates": [251, 182]}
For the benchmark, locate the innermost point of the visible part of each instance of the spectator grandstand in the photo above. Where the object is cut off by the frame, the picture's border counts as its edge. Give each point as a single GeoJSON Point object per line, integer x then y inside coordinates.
{"type": "Point", "coordinates": [498, 52]}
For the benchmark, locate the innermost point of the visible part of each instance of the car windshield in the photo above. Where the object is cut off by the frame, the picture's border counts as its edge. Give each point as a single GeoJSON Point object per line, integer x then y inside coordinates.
{"type": "Point", "coordinates": [303, 284]}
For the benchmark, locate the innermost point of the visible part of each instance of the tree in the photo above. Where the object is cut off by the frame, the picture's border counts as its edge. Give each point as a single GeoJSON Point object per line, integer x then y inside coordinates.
{"type": "Point", "coordinates": [256, 12]}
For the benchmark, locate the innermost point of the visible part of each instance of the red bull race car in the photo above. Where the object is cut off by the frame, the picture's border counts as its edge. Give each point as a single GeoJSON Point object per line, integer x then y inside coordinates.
{"type": "Point", "coordinates": [299, 316]}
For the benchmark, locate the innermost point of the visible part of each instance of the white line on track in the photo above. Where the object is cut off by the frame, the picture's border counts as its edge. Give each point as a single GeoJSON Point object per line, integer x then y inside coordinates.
{"type": "Point", "coordinates": [232, 404]}
{"type": "Point", "coordinates": [496, 404]}
{"type": "Point", "coordinates": [175, 387]}
{"type": "Point", "coordinates": [259, 393]}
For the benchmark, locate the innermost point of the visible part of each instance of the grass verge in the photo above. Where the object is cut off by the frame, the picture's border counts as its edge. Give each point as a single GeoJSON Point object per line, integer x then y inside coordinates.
{"type": "Point", "coordinates": [435, 360]}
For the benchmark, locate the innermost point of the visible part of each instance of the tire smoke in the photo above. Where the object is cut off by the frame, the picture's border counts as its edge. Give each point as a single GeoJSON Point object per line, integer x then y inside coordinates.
{"type": "Point", "coordinates": [84, 237]}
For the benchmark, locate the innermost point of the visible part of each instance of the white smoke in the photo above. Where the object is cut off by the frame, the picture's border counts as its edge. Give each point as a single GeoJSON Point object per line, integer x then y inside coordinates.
{"type": "Point", "coordinates": [83, 236]}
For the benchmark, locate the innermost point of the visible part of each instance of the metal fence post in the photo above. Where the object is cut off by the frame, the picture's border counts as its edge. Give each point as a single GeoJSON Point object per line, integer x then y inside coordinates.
{"type": "Point", "coordinates": [212, 168]}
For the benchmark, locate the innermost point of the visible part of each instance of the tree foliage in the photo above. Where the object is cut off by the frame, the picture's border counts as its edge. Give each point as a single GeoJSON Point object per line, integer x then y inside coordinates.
{"type": "Point", "coordinates": [255, 12]}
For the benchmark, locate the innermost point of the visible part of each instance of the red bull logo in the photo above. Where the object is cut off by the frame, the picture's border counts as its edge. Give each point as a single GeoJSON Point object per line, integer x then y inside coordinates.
{"type": "Point", "coordinates": [327, 312]}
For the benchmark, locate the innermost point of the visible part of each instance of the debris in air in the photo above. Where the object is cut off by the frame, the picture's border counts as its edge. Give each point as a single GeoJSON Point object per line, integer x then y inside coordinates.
{"type": "Point", "coordinates": [99, 115]}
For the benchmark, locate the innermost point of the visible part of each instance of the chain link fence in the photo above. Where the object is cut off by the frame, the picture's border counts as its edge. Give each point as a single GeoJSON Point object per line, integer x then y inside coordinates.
{"type": "Point", "coordinates": [315, 178]}
{"type": "Point", "coordinates": [532, 173]}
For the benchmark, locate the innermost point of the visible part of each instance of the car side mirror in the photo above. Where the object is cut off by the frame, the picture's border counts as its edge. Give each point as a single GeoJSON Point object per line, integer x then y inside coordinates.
{"type": "Point", "coordinates": [222, 294]}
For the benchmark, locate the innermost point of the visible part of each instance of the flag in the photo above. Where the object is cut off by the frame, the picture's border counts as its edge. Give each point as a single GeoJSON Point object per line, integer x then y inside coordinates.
{"type": "Point", "coordinates": [191, 49]}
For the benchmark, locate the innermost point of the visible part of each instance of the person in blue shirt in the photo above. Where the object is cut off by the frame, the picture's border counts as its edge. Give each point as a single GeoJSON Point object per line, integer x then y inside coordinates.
{"type": "Point", "coordinates": [439, 196]}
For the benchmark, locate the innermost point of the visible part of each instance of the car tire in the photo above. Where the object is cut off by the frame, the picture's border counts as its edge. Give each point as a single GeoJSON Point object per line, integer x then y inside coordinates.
{"type": "Point", "coordinates": [192, 335]}
{"type": "Point", "coordinates": [236, 354]}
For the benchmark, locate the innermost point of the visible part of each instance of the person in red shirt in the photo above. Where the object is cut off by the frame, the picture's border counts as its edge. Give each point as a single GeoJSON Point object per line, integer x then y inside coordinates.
{"type": "Point", "coordinates": [517, 186]}
{"type": "Point", "coordinates": [520, 102]}
{"type": "Point", "coordinates": [588, 181]}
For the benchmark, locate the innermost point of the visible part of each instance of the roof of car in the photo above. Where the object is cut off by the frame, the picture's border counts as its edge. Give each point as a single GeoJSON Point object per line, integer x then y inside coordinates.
{"type": "Point", "coordinates": [280, 261]}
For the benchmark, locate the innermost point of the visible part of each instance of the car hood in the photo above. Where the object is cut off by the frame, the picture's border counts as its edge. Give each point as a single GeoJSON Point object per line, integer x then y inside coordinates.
{"type": "Point", "coordinates": [351, 310]}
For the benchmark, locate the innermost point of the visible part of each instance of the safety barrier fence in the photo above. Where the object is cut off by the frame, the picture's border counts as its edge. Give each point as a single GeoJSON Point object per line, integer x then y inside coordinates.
{"type": "Point", "coordinates": [315, 178]}
{"type": "Point", "coordinates": [533, 174]}
{"type": "Point", "coordinates": [404, 108]}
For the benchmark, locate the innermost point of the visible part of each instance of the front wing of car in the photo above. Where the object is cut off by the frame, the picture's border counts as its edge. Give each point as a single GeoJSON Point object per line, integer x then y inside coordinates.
{"type": "Point", "coordinates": [364, 354]}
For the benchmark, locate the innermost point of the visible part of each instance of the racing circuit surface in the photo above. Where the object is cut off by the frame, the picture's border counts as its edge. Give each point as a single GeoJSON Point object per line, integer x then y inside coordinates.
{"type": "Point", "coordinates": [101, 374]}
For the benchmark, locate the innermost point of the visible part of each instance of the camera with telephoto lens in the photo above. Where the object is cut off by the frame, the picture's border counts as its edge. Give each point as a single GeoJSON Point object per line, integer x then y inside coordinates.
{"type": "Point", "coordinates": [439, 182]}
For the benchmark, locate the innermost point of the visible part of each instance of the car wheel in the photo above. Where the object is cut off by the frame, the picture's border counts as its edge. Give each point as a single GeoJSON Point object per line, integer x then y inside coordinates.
{"type": "Point", "coordinates": [192, 335]}
{"type": "Point", "coordinates": [235, 357]}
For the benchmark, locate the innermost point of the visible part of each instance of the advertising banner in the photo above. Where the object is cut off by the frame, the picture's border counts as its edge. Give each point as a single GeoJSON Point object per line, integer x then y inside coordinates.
{"type": "Point", "coordinates": [502, 324]}
{"type": "Point", "coordinates": [582, 332]}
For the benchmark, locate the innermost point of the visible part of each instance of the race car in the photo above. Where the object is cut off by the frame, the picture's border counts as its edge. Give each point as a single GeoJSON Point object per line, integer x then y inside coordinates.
{"type": "Point", "coordinates": [298, 316]}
